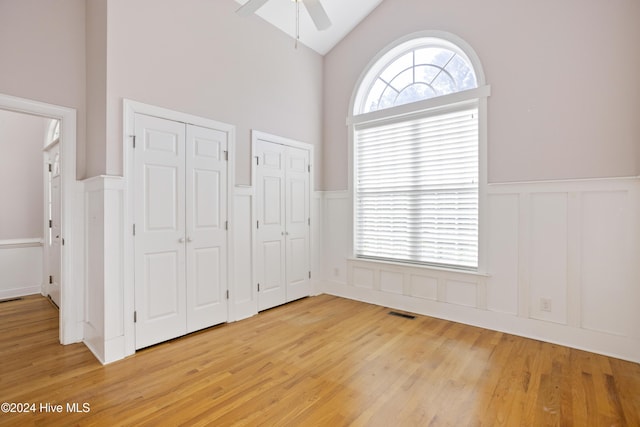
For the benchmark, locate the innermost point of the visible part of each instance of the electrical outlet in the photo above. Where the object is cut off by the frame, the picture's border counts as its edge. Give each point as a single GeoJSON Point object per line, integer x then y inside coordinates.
{"type": "Point", "coordinates": [336, 272]}
{"type": "Point", "coordinates": [545, 304]}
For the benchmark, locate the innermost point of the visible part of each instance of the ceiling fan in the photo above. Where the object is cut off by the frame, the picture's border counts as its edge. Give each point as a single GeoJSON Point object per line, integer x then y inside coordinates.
{"type": "Point", "coordinates": [315, 9]}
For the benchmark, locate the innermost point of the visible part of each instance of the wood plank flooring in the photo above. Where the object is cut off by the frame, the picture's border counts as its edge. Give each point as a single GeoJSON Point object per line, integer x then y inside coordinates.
{"type": "Point", "coordinates": [320, 361]}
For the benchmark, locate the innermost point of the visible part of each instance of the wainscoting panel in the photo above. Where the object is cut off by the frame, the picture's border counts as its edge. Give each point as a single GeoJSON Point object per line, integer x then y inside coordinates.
{"type": "Point", "coordinates": [104, 317]}
{"type": "Point", "coordinates": [462, 293]}
{"type": "Point", "coordinates": [335, 236]}
{"type": "Point", "coordinates": [21, 267]}
{"type": "Point", "coordinates": [454, 287]}
{"type": "Point", "coordinates": [316, 241]}
{"type": "Point", "coordinates": [243, 295]}
{"type": "Point", "coordinates": [503, 253]}
{"type": "Point", "coordinates": [392, 281]}
{"type": "Point", "coordinates": [94, 269]}
{"type": "Point", "coordinates": [365, 277]}
{"type": "Point", "coordinates": [606, 247]}
{"type": "Point", "coordinates": [561, 266]}
{"type": "Point", "coordinates": [548, 257]}
{"type": "Point", "coordinates": [423, 287]}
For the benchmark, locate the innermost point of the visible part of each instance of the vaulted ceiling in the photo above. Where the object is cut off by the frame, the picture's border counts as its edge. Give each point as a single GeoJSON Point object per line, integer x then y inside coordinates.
{"type": "Point", "coordinates": [344, 16]}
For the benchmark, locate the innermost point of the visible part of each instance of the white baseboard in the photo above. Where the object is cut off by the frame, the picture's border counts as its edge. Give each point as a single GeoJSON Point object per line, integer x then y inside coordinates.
{"type": "Point", "coordinates": [97, 354]}
{"type": "Point", "coordinates": [20, 267]}
{"type": "Point", "coordinates": [19, 292]}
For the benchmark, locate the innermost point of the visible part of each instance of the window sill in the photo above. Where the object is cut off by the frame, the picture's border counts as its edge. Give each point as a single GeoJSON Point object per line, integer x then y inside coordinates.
{"type": "Point", "coordinates": [403, 265]}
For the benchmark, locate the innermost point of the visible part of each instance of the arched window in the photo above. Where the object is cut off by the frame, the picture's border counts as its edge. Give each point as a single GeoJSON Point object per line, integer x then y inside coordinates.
{"type": "Point", "coordinates": [416, 116]}
{"type": "Point", "coordinates": [426, 71]}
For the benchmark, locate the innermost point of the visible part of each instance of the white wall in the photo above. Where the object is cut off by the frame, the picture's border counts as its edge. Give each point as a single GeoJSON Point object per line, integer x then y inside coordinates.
{"type": "Point", "coordinates": [104, 311]}
{"type": "Point", "coordinates": [564, 89]}
{"type": "Point", "coordinates": [96, 88]}
{"type": "Point", "coordinates": [195, 57]}
{"type": "Point", "coordinates": [42, 46]}
{"type": "Point", "coordinates": [572, 242]}
{"type": "Point", "coordinates": [21, 190]}
{"type": "Point", "coordinates": [562, 212]}
{"type": "Point", "coordinates": [243, 295]}
{"type": "Point", "coordinates": [22, 138]}
{"type": "Point", "coordinates": [20, 267]}
{"type": "Point", "coordinates": [199, 57]}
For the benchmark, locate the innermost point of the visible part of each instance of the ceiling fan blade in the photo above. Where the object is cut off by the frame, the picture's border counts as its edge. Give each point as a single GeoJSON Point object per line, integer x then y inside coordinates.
{"type": "Point", "coordinates": [318, 14]}
{"type": "Point", "coordinates": [250, 7]}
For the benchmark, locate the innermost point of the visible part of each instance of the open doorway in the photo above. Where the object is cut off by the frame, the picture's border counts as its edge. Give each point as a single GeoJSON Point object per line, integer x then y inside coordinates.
{"type": "Point", "coordinates": [30, 234]}
{"type": "Point", "coordinates": [22, 234]}
{"type": "Point", "coordinates": [57, 192]}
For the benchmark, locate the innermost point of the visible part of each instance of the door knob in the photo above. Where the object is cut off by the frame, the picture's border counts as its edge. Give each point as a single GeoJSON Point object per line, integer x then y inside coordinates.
{"type": "Point", "coordinates": [189, 239]}
{"type": "Point", "coordinates": [181, 240]}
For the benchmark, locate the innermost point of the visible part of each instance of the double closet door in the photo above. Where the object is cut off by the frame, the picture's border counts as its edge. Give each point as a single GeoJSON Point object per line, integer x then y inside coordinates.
{"type": "Point", "coordinates": [283, 262]}
{"type": "Point", "coordinates": [180, 229]}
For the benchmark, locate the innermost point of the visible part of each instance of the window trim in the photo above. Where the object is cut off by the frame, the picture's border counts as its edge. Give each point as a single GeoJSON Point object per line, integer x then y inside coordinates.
{"type": "Point", "coordinates": [402, 45]}
{"type": "Point", "coordinates": [480, 95]}
{"type": "Point", "coordinates": [420, 107]}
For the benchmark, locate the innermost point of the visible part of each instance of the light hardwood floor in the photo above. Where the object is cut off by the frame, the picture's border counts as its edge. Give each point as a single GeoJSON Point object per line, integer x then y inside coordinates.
{"type": "Point", "coordinates": [320, 361]}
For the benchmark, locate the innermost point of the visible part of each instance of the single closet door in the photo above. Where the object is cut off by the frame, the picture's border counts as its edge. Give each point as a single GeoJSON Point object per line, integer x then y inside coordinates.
{"type": "Point", "coordinates": [282, 223]}
{"type": "Point", "coordinates": [206, 234]}
{"type": "Point", "coordinates": [180, 234]}
{"type": "Point", "coordinates": [297, 224]}
{"type": "Point", "coordinates": [270, 224]}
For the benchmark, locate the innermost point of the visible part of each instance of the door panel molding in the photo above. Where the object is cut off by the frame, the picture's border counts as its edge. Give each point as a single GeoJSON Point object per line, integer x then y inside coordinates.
{"type": "Point", "coordinates": [159, 187]}
{"type": "Point", "coordinates": [282, 179]}
{"type": "Point", "coordinates": [203, 150]}
{"type": "Point", "coordinates": [206, 196]}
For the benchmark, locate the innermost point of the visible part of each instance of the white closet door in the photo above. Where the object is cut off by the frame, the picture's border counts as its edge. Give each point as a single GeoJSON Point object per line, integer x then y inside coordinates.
{"type": "Point", "coordinates": [283, 233]}
{"type": "Point", "coordinates": [206, 240]}
{"type": "Point", "coordinates": [270, 232]}
{"type": "Point", "coordinates": [297, 223]}
{"type": "Point", "coordinates": [160, 286]}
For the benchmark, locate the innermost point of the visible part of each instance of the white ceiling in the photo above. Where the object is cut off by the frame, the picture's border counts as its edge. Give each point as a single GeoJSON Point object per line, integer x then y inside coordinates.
{"type": "Point", "coordinates": [344, 16]}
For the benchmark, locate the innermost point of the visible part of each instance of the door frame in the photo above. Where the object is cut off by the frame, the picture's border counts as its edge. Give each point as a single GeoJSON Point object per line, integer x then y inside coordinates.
{"type": "Point", "coordinates": [130, 109]}
{"type": "Point", "coordinates": [275, 139]}
{"type": "Point", "coordinates": [71, 290]}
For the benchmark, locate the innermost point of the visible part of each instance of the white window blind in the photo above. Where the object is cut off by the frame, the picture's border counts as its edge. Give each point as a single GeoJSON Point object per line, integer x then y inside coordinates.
{"type": "Point", "coordinates": [416, 193]}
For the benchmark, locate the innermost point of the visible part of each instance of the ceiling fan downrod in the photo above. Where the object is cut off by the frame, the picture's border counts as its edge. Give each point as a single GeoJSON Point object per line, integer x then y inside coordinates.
{"type": "Point", "coordinates": [297, 22]}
